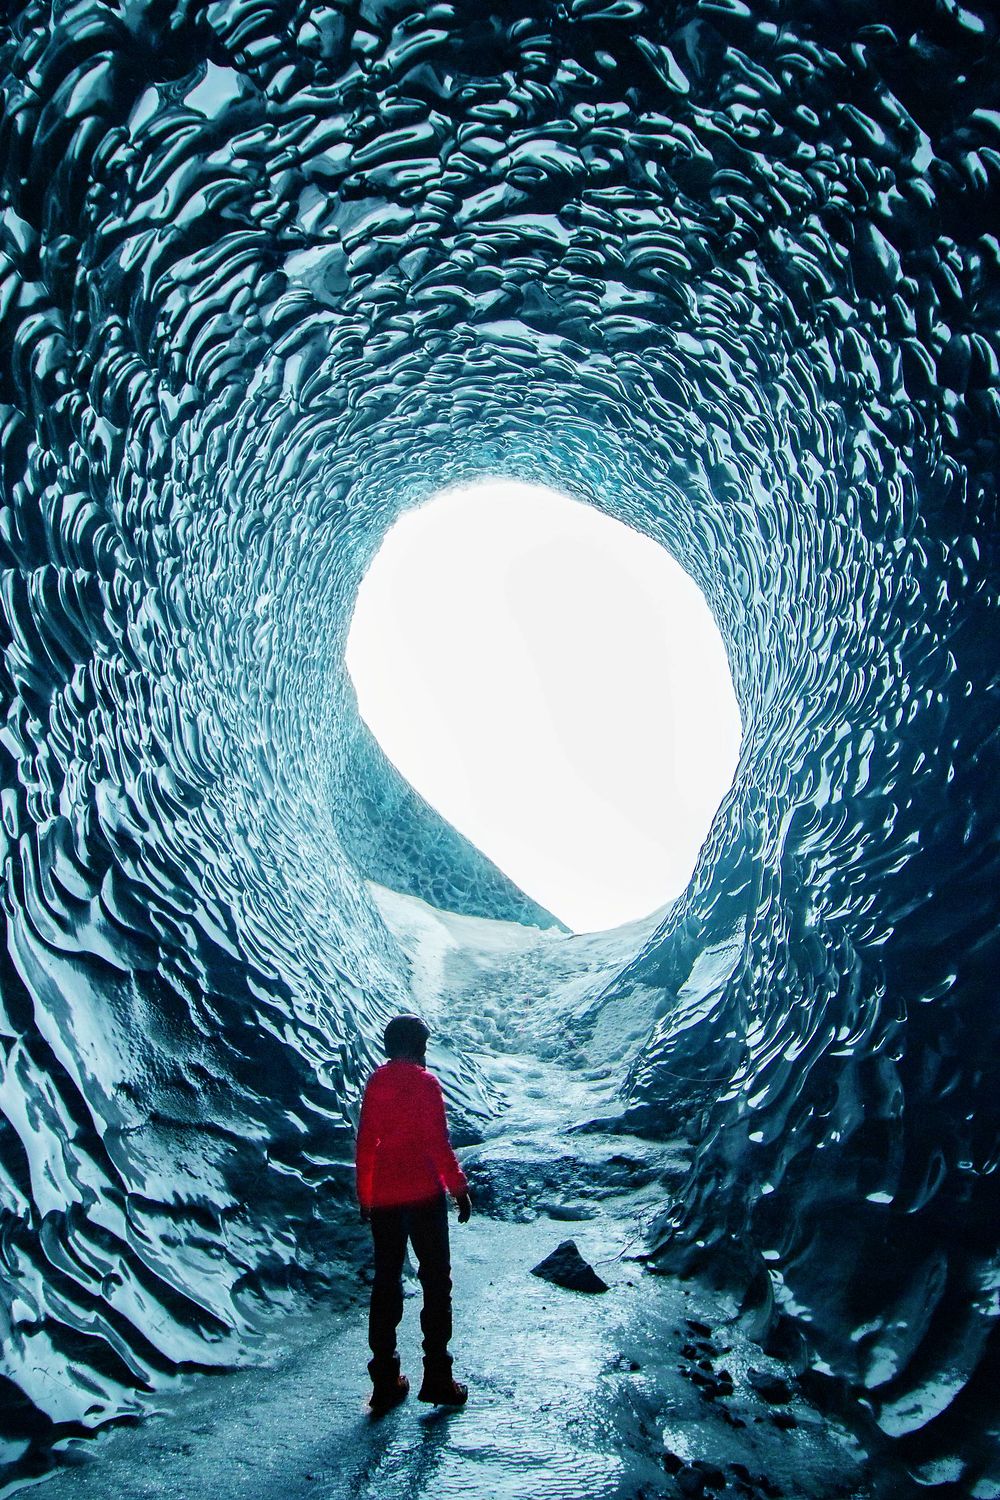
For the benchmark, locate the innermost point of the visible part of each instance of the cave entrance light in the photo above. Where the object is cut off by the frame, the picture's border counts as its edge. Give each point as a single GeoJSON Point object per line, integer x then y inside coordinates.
{"type": "Point", "coordinates": [555, 685]}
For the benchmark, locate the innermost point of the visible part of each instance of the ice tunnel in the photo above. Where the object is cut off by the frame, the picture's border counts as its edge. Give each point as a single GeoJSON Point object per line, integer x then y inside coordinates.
{"type": "Point", "coordinates": [271, 273]}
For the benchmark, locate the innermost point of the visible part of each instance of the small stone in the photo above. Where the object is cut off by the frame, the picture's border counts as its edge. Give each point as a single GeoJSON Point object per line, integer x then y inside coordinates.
{"type": "Point", "coordinates": [771, 1387]}
{"type": "Point", "coordinates": [566, 1267]}
{"type": "Point", "coordinates": [702, 1329]}
{"type": "Point", "coordinates": [750, 1485]}
{"type": "Point", "coordinates": [715, 1477]}
{"type": "Point", "coordinates": [689, 1481]}
{"type": "Point", "coordinates": [570, 1212]}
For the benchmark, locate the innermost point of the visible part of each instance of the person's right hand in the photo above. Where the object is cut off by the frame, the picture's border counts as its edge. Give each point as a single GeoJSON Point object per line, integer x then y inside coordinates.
{"type": "Point", "coordinates": [464, 1207]}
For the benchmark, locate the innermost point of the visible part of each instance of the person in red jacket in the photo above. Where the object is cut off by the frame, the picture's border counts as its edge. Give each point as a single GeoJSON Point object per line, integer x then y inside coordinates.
{"type": "Point", "coordinates": [405, 1169]}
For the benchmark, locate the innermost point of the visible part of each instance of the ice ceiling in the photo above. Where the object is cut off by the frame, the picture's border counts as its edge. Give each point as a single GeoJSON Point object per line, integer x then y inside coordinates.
{"type": "Point", "coordinates": [273, 272]}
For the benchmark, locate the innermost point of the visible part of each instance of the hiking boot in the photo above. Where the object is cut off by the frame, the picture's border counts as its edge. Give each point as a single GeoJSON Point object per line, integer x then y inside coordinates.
{"type": "Point", "coordinates": [388, 1393]}
{"type": "Point", "coordinates": [443, 1391]}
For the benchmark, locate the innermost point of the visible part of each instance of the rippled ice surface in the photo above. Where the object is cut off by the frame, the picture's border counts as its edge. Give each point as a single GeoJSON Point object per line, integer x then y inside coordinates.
{"type": "Point", "coordinates": [268, 275]}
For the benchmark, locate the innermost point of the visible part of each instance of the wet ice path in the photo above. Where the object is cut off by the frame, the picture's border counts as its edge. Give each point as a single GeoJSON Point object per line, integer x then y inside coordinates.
{"type": "Point", "coordinates": [572, 1396]}
{"type": "Point", "coordinates": [537, 1360]}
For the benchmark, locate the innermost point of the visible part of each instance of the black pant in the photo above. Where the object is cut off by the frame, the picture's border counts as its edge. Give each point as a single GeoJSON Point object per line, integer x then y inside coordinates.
{"type": "Point", "coordinates": [426, 1226]}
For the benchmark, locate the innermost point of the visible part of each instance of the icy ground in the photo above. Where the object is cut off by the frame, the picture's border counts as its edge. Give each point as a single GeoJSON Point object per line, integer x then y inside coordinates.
{"type": "Point", "coordinates": [619, 1396]}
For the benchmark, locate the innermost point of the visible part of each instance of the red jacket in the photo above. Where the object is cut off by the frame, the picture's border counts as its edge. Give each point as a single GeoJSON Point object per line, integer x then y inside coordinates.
{"type": "Point", "coordinates": [403, 1152]}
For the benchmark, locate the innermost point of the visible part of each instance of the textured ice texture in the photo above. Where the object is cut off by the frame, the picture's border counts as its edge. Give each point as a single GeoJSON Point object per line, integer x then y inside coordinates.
{"type": "Point", "coordinates": [271, 273]}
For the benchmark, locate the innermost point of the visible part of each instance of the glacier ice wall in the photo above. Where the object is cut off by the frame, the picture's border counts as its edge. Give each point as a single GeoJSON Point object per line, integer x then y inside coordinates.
{"type": "Point", "coordinates": [271, 272]}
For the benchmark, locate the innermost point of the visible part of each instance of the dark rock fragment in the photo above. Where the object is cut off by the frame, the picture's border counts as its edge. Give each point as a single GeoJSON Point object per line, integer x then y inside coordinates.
{"type": "Point", "coordinates": [755, 1485]}
{"type": "Point", "coordinates": [571, 1212]}
{"type": "Point", "coordinates": [566, 1267]}
{"type": "Point", "coordinates": [690, 1481]}
{"type": "Point", "coordinates": [709, 1384]}
{"type": "Point", "coordinates": [702, 1329]}
{"type": "Point", "coordinates": [772, 1388]}
{"type": "Point", "coordinates": [715, 1478]}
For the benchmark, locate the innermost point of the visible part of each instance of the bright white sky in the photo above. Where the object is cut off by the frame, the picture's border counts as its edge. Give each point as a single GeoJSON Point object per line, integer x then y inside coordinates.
{"type": "Point", "coordinates": [554, 684]}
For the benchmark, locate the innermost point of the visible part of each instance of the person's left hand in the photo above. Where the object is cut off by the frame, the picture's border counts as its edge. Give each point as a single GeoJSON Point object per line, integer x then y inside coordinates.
{"type": "Point", "coordinates": [364, 1213]}
{"type": "Point", "coordinates": [464, 1207]}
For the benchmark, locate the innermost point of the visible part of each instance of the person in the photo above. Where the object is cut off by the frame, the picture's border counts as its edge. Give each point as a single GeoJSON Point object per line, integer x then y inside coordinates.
{"type": "Point", "coordinates": [405, 1168]}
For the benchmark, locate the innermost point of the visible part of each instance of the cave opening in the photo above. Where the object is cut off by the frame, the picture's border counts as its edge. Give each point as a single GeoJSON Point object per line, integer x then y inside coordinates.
{"type": "Point", "coordinates": [554, 684]}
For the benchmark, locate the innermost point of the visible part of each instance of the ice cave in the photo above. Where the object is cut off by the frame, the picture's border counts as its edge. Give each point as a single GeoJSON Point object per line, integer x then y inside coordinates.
{"type": "Point", "coordinates": [273, 272]}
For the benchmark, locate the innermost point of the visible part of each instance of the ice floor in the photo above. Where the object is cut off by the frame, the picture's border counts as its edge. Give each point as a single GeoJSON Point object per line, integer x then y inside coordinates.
{"type": "Point", "coordinates": [618, 1396]}
{"type": "Point", "coordinates": [571, 1396]}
